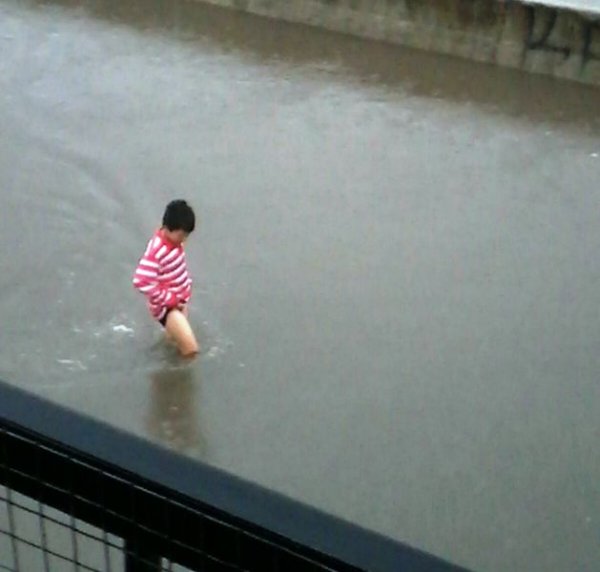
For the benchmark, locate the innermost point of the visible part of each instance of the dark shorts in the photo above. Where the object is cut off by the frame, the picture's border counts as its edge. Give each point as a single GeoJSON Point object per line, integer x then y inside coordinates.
{"type": "Point", "coordinates": [163, 320]}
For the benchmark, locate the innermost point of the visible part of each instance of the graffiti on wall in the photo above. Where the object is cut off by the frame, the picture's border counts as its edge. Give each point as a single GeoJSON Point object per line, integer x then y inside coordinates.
{"type": "Point", "coordinates": [541, 23]}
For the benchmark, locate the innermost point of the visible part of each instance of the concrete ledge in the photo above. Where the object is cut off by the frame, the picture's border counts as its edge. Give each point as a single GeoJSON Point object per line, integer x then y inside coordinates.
{"type": "Point", "coordinates": [560, 38]}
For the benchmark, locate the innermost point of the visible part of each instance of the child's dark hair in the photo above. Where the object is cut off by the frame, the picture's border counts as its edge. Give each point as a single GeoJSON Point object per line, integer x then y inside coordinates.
{"type": "Point", "coordinates": [179, 216]}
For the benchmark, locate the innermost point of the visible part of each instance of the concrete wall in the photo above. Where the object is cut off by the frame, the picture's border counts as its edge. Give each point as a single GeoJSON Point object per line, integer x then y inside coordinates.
{"type": "Point", "coordinates": [542, 38]}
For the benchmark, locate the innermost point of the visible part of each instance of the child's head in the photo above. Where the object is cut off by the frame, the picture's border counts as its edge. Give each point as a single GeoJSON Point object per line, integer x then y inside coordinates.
{"type": "Point", "coordinates": [178, 221]}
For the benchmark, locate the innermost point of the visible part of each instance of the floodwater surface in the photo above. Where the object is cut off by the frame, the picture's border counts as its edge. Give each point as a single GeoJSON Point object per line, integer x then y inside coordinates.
{"type": "Point", "coordinates": [396, 266]}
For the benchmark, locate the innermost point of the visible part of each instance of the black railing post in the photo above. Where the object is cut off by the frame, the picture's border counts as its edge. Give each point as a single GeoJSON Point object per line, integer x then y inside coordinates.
{"type": "Point", "coordinates": [140, 559]}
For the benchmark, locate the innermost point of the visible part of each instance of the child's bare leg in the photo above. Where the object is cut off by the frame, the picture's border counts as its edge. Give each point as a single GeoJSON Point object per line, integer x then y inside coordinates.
{"type": "Point", "coordinates": [184, 311]}
{"type": "Point", "coordinates": [179, 330]}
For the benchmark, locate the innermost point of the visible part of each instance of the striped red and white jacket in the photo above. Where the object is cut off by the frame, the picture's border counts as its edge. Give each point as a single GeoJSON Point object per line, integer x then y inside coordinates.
{"type": "Point", "coordinates": [162, 276]}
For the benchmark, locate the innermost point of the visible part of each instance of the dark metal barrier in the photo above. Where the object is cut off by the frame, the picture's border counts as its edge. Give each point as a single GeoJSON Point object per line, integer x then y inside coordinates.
{"type": "Point", "coordinates": [118, 502]}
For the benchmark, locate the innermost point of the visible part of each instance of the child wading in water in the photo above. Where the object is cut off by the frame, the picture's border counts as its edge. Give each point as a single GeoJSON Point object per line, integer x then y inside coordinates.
{"type": "Point", "coordinates": [162, 276]}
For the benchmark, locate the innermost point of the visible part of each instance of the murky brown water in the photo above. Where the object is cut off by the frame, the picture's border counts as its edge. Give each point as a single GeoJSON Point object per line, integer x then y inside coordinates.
{"type": "Point", "coordinates": [396, 267]}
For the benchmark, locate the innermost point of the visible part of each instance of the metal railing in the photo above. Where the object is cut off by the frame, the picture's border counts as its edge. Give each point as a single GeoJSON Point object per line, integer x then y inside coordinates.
{"type": "Point", "coordinates": [78, 494]}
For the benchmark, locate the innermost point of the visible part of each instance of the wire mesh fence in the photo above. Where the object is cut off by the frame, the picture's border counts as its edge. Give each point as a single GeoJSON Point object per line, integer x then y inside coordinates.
{"type": "Point", "coordinates": [79, 495]}
{"type": "Point", "coordinates": [36, 536]}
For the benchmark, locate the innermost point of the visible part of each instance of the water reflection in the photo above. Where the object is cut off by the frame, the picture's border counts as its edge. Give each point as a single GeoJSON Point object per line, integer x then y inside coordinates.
{"type": "Point", "coordinates": [173, 418]}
